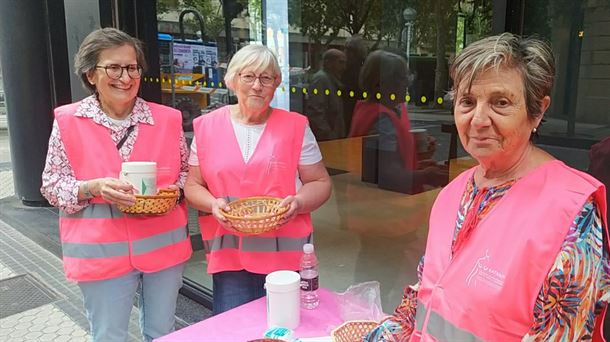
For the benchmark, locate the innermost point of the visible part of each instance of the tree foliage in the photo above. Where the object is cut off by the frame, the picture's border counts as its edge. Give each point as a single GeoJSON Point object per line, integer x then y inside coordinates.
{"type": "Point", "coordinates": [210, 10]}
{"type": "Point", "coordinates": [478, 16]}
{"type": "Point", "coordinates": [385, 21]}
{"type": "Point", "coordinates": [317, 19]}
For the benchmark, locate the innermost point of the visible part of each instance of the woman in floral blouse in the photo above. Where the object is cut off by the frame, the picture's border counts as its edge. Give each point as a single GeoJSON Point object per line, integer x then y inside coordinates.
{"type": "Point", "coordinates": [518, 245]}
{"type": "Point", "coordinates": [108, 253]}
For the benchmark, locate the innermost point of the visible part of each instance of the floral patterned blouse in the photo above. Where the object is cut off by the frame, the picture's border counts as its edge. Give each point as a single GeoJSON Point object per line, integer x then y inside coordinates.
{"type": "Point", "coordinates": [574, 293]}
{"type": "Point", "coordinates": [59, 184]}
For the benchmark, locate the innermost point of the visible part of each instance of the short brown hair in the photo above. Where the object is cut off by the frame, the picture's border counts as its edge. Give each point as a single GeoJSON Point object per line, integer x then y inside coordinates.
{"type": "Point", "coordinates": [101, 39]}
{"type": "Point", "coordinates": [532, 57]}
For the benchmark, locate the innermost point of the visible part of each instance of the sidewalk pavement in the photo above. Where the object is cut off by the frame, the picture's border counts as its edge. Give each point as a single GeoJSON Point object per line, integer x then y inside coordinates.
{"type": "Point", "coordinates": [37, 303]}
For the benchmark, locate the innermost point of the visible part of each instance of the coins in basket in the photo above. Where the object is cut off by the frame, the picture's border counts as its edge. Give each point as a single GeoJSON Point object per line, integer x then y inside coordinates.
{"type": "Point", "coordinates": [255, 215]}
{"type": "Point", "coordinates": [164, 201]}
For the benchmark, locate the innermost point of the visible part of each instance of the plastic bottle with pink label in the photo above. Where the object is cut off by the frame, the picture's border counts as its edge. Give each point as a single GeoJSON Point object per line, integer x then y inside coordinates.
{"type": "Point", "coordinates": [309, 278]}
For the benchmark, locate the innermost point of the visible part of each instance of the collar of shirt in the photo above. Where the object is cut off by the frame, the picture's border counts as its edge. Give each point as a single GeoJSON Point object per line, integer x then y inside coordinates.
{"type": "Point", "coordinates": [90, 108]}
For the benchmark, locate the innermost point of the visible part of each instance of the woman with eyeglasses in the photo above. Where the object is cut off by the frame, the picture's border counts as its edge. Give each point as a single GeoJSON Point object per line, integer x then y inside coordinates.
{"type": "Point", "coordinates": [108, 253]}
{"type": "Point", "coordinates": [252, 149]}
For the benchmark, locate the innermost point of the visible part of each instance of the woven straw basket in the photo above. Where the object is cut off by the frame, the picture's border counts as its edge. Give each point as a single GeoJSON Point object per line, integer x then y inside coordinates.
{"type": "Point", "coordinates": [157, 204]}
{"type": "Point", "coordinates": [255, 215]}
{"type": "Point", "coordinates": [352, 331]}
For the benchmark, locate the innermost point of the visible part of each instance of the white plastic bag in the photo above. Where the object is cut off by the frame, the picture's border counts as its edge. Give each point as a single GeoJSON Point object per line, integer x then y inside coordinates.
{"type": "Point", "coordinates": [361, 302]}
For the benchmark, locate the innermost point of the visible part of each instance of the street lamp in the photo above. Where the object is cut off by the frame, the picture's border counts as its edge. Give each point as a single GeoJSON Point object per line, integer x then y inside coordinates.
{"type": "Point", "coordinates": [409, 15]}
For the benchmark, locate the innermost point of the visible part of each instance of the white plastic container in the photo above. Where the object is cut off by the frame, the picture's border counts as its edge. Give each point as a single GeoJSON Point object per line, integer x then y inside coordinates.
{"type": "Point", "coordinates": [142, 175]}
{"type": "Point", "coordinates": [283, 298]}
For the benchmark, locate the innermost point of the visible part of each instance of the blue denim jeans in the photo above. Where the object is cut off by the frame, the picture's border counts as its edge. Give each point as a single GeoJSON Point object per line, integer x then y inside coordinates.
{"type": "Point", "coordinates": [108, 303]}
{"type": "Point", "coordinates": [234, 288]}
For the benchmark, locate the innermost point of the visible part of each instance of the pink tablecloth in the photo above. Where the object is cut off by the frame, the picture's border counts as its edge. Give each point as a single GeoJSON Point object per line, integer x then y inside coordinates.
{"type": "Point", "coordinates": [249, 321]}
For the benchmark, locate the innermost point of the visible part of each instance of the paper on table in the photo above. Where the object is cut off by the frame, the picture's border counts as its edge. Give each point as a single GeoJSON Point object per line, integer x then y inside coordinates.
{"type": "Point", "coordinates": [316, 339]}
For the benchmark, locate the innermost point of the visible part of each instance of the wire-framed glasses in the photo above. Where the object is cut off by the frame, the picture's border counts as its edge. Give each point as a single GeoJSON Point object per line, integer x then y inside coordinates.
{"type": "Point", "coordinates": [249, 78]}
{"type": "Point", "coordinates": [115, 71]}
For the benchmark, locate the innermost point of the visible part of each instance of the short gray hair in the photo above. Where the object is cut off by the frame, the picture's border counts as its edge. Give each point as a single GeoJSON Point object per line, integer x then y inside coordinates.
{"type": "Point", "coordinates": [259, 57]}
{"type": "Point", "coordinates": [88, 54]}
{"type": "Point", "coordinates": [532, 57]}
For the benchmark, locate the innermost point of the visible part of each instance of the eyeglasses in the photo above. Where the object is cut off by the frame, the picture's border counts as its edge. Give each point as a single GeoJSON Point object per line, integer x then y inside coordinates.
{"type": "Point", "coordinates": [115, 71]}
{"type": "Point", "coordinates": [263, 79]}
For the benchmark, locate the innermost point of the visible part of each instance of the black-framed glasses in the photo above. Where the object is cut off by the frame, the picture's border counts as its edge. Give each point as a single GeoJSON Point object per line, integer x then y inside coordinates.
{"type": "Point", "coordinates": [249, 78]}
{"type": "Point", "coordinates": [115, 71]}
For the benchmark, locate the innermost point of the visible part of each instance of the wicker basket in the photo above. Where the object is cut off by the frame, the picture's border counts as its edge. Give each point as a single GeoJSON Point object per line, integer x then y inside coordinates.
{"type": "Point", "coordinates": [157, 204]}
{"type": "Point", "coordinates": [255, 215]}
{"type": "Point", "coordinates": [352, 331]}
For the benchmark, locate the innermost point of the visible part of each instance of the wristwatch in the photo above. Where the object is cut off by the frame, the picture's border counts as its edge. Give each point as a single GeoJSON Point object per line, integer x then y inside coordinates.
{"type": "Point", "coordinates": [86, 190]}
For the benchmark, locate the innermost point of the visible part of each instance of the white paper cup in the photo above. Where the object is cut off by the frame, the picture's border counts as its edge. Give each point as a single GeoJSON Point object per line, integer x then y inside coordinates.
{"type": "Point", "coordinates": [283, 299]}
{"type": "Point", "coordinates": [142, 175]}
{"type": "Point", "coordinates": [421, 139]}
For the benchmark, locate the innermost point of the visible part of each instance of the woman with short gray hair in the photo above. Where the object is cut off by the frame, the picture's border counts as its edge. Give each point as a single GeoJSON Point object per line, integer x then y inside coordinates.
{"type": "Point", "coordinates": [518, 245]}
{"type": "Point", "coordinates": [531, 57]}
{"type": "Point", "coordinates": [255, 56]}
{"type": "Point", "coordinates": [108, 253]}
{"type": "Point", "coordinates": [251, 149]}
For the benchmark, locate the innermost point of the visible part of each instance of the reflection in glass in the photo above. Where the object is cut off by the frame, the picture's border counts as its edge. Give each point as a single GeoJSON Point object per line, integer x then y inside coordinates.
{"type": "Point", "coordinates": [196, 40]}
{"type": "Point", "coordinates": [375, 223]}
{"type": "Point", "coordinates": [324, 107]}
{"type": "Point", "coordinates": [577, 32]}
{"type": "Point", "coordinates": [391, 152]}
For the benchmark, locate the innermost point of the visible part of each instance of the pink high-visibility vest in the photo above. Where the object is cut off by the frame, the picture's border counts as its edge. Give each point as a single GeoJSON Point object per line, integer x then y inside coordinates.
{"type": "Point", "coordinates": [100, 242]}
{"type": "Point", "coordinates": [270, 171]}
{"type": "Point", "coordinates": [366, 113]}
{"type": "Point", "coordinates": [487, 290]}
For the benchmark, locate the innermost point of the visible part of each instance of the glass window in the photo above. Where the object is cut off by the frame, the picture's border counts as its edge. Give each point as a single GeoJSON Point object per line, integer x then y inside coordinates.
{"type": "Point", "coordinates": [194, 49]}
{"type": "Point", "coordinates": [365, 73]}
{"type": "Point", "coordinates": [372, 78]}
{"type": "Point", "coordinates": [578, 33]}
{"type": "Point", "coordinates": [3, 121]}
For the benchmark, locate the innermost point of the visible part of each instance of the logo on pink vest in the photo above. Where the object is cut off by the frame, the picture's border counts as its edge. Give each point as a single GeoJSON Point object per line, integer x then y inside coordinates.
{"type": "Point", "coordinates": [483, 272]}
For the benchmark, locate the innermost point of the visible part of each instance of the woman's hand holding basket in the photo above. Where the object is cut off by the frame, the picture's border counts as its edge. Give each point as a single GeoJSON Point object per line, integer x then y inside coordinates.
{"type": "Point", "coordinates": [218, 206]}
{"type": "Point", "coordinates": [293, 204]}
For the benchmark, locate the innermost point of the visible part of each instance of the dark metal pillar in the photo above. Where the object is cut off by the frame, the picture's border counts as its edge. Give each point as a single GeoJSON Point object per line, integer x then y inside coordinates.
{"type": "Point", "coordinates": [32, 91]}
{"type": "Point", "coordinates": [139, 19]}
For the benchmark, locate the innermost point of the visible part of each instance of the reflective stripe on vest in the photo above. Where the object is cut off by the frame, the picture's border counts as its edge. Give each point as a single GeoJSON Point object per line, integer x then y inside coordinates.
{"type": "Point", "coordinates": [440, 328]}
{"type": "Point", "coordinates": [94, 250]}
{"type": "Point", "coordinates": [420, 316]}
{"type": "Point", "coordinates": [257, 244]}
{"type": "Point", "coordinates": [445, 331]}
{"type": "Point", "coordinates": [154, 242]}
{"type": "Point", "coordinates": [94, 211]}
{"type": "Point", "coordinates": [227, 241]}
{"type": "Point", "coordinates": [114, 249]}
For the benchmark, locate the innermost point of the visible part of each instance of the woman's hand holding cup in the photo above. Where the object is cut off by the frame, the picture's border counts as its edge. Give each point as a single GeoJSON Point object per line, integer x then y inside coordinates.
{"type": "Point", "coordinates": [114, 191]}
